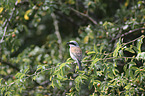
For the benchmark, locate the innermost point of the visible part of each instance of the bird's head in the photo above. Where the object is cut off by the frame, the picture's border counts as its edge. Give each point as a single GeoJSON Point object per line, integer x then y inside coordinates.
{"type": "Point", "coordinates": [73, 43]}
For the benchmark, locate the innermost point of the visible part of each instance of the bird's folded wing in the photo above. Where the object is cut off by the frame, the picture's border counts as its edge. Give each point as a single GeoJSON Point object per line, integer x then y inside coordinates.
{"type": "Point", "coordinates": [77, 52]}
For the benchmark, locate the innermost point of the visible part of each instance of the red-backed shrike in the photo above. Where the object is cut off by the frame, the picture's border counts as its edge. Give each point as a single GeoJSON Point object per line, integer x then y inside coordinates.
{"type": "Point", "coordinates": [75, 52]}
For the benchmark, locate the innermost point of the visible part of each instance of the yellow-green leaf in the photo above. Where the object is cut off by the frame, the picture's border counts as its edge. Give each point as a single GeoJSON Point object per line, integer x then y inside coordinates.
{"type": "Point", "coordinates": [92, 52]}
{"type": "Point", "coordinates": [1, 9]}
{"type": "Point", "coordinates": [18, 1]}
{"type": "Point", "coordinates": [130, 50]}
{"type": "Point", "coordinates": [86, 39]}
{"type": "Point", "coordinates": [26, 17]}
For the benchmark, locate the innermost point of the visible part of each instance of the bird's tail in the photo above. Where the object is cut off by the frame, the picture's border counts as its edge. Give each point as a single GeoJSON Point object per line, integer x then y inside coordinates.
{"type": "Point", "coordinates": [79, 64]}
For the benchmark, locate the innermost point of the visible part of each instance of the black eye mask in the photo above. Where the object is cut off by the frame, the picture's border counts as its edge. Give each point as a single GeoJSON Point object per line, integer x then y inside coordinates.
{"type": "Point", "coordinates": [71, 43]}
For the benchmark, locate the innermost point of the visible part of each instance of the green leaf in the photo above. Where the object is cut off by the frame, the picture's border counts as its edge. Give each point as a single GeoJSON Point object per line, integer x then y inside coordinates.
{"type": "Point", "coordinates": [79, 80]}
{"type": "Point", "coordinates": [113, 70]}
{"type": "Point", "coordinates": [2, 90]}
{"type": "Point", "coordinates": [18, 75]}
{"type": "Point", "coordinates": [34, 77]}
{"type": "Point", "coordinates": [139, 42]}
{"type": "Point", "coordinates": [26, 70]}
{"type": "Point", "coordinates": [95, 48]}
{"type": "Point", "coordinates": [86, 39]}
{"type": "Point", "coordinates": [96, 60]}
{"type": "Point", "coordinates": [101, 48]}
{"type": "Point", "coordinates": [1, 9]}
{"type": "Point", "coordinates": [62, 65]}
{"type": "Point", "coordinates": [52, 84]}
{"type": "Point", "coordinates": [22, 76]}
{"type": "Point", "coordinates": [137, 72]}
{"type": "Point", "coordinates": [8, 93]}
{"type": "Point", "coordinates": [90, 53]}
{"type": "Point", "coordinates": [59, 77]}
{"type": "Point", "coordinates": [39, 67]}
{"type": "Point", "coordinates": [58, 82]}
{"type": "Point", "coordinates": [141, 56]}
{"type": "Point", "coordinates": [110, 75]}
{"type": "Point", "coordinates": [139, 2]}
{"type": "Point", "coordinates": [77, 83]}
{"type": "Point", "coordinates": [135, 48]}
{"type": "Point", "coordinates": [84, 77]}
{"type": "Point", "coordinates": [127, 86]}
{"type": "Point", "coordinates": [130, 50]}
{"type": "Point", "coordinates": [1, 79]}
{"type": "Point", "coordinates": [96, 82]}
{"type": "Point", "coordinates": [115, 53]}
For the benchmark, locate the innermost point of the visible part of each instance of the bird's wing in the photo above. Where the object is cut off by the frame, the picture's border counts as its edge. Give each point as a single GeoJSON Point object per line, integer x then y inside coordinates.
{"type": "Point", "coordinates": [77, 52]}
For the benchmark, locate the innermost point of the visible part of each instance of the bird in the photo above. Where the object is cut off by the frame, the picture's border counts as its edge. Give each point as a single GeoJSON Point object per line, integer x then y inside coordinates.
{"type": "Point", "coordinates": [75, 52]}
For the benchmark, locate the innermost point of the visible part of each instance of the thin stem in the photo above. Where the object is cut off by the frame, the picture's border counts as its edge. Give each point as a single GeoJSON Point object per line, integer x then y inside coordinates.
{"type": "Point", "coordinates": [55, 23]}
{"type": "Point", "coordinates": [85, 15]}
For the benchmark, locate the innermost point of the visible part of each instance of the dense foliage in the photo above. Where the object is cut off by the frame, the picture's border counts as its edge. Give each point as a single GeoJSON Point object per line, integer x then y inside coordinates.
{"type": "Point", "coordinates": [34, 56]}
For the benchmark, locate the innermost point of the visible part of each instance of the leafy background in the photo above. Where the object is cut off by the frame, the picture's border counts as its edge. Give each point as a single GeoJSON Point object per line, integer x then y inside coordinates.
{"type": "Point", "coordinates": [34, 56]}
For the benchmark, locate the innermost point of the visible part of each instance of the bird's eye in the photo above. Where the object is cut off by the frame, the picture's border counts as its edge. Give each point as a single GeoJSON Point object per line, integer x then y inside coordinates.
{"type": "Point", "coordinates": [72, 43]}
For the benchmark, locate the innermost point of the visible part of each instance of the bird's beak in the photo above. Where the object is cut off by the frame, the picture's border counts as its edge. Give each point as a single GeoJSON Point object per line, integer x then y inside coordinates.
{"type": "Point", "coordinates": [68, 43]}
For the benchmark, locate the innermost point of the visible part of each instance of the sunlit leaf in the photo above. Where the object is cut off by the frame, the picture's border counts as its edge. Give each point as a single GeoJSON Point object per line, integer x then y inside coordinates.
{"type": "Point", "coordinates": [141, 56]}
{"type": "Point", "coordinates": [96, 60]}
{"type": "Point", "coordinates": [26, 70]}
{"type": "Point", "coordinates": [86, 39]}
{"type": "Point", "coordinates": [2, 90]}
{"type": "Point", "coordinates": [130, 50]}
{"type": "Point", "coordinates": [8, 93]}
{"type": "Point", "coordinates": [26, 17]}
{"type": "Point", "coordinates": [18, 75]}
{"type": "Point", "coordinates": [115, 53]}
{"type": "Point", "coordinates": [139, 43]}
{"type": "Point", "coordinates": [1, 9]}
{"type": "Point", "coordinates": [34, 77]}
{"type": "Point", "coordinates": [127, 86]}
{"type": "Point", "coordinates": [18, 1]}
{"type": "Point", "coordinates": [92, 52]}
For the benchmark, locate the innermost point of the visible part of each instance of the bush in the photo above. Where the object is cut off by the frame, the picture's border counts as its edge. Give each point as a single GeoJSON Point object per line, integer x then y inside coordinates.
{"type": "Point", "coordinates": [34, 57]}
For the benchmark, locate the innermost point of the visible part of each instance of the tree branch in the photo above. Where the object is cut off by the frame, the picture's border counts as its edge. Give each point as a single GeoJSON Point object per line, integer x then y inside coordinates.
{"type": "Point", "coordinates": [7, 22]}
{"type": "Point", "coordinates": [129, 32]}
{"type": "Point", "coordinates": [134, 40]}
{"type": "Point", "coordinates": [85, 15]}
{"type": "Point", "coordinates": [55, 23]}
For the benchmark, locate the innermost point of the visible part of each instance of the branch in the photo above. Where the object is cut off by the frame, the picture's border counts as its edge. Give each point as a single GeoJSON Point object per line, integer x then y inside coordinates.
{"type": "Point", "coordinates": [129, 32]}
{"type": "Point", "coordinates": [9, 64]}
{"type": "Point", "coordinates": [45, 83]}
{"type": "Point", "coordinates": [85, 15]}
{"type": "Point", "coordinates": [134, 40]}
{"type": "Point", "coordinates": [55, 23]}
{"type": "Point", "coordinates": [7, 22]}
{"type": "Point", "coordinates": [110, 58]}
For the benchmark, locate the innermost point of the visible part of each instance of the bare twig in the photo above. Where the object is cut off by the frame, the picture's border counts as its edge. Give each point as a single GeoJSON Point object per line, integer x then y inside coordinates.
{"type": "Point", "coordinates": [125, 44]}
{"type": "Point", "coordinates": [133, 40]}
{"type": "Point", "coordinates": [6, 26]}
{"type": "Point", "coordinates": [129, 32]}
{"type": "Point", "coordinates": [85, 15]}
{"type": "Point", "coordinates": [55, 23]}
{"type": "Point", "coordinates": [7, 23]}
